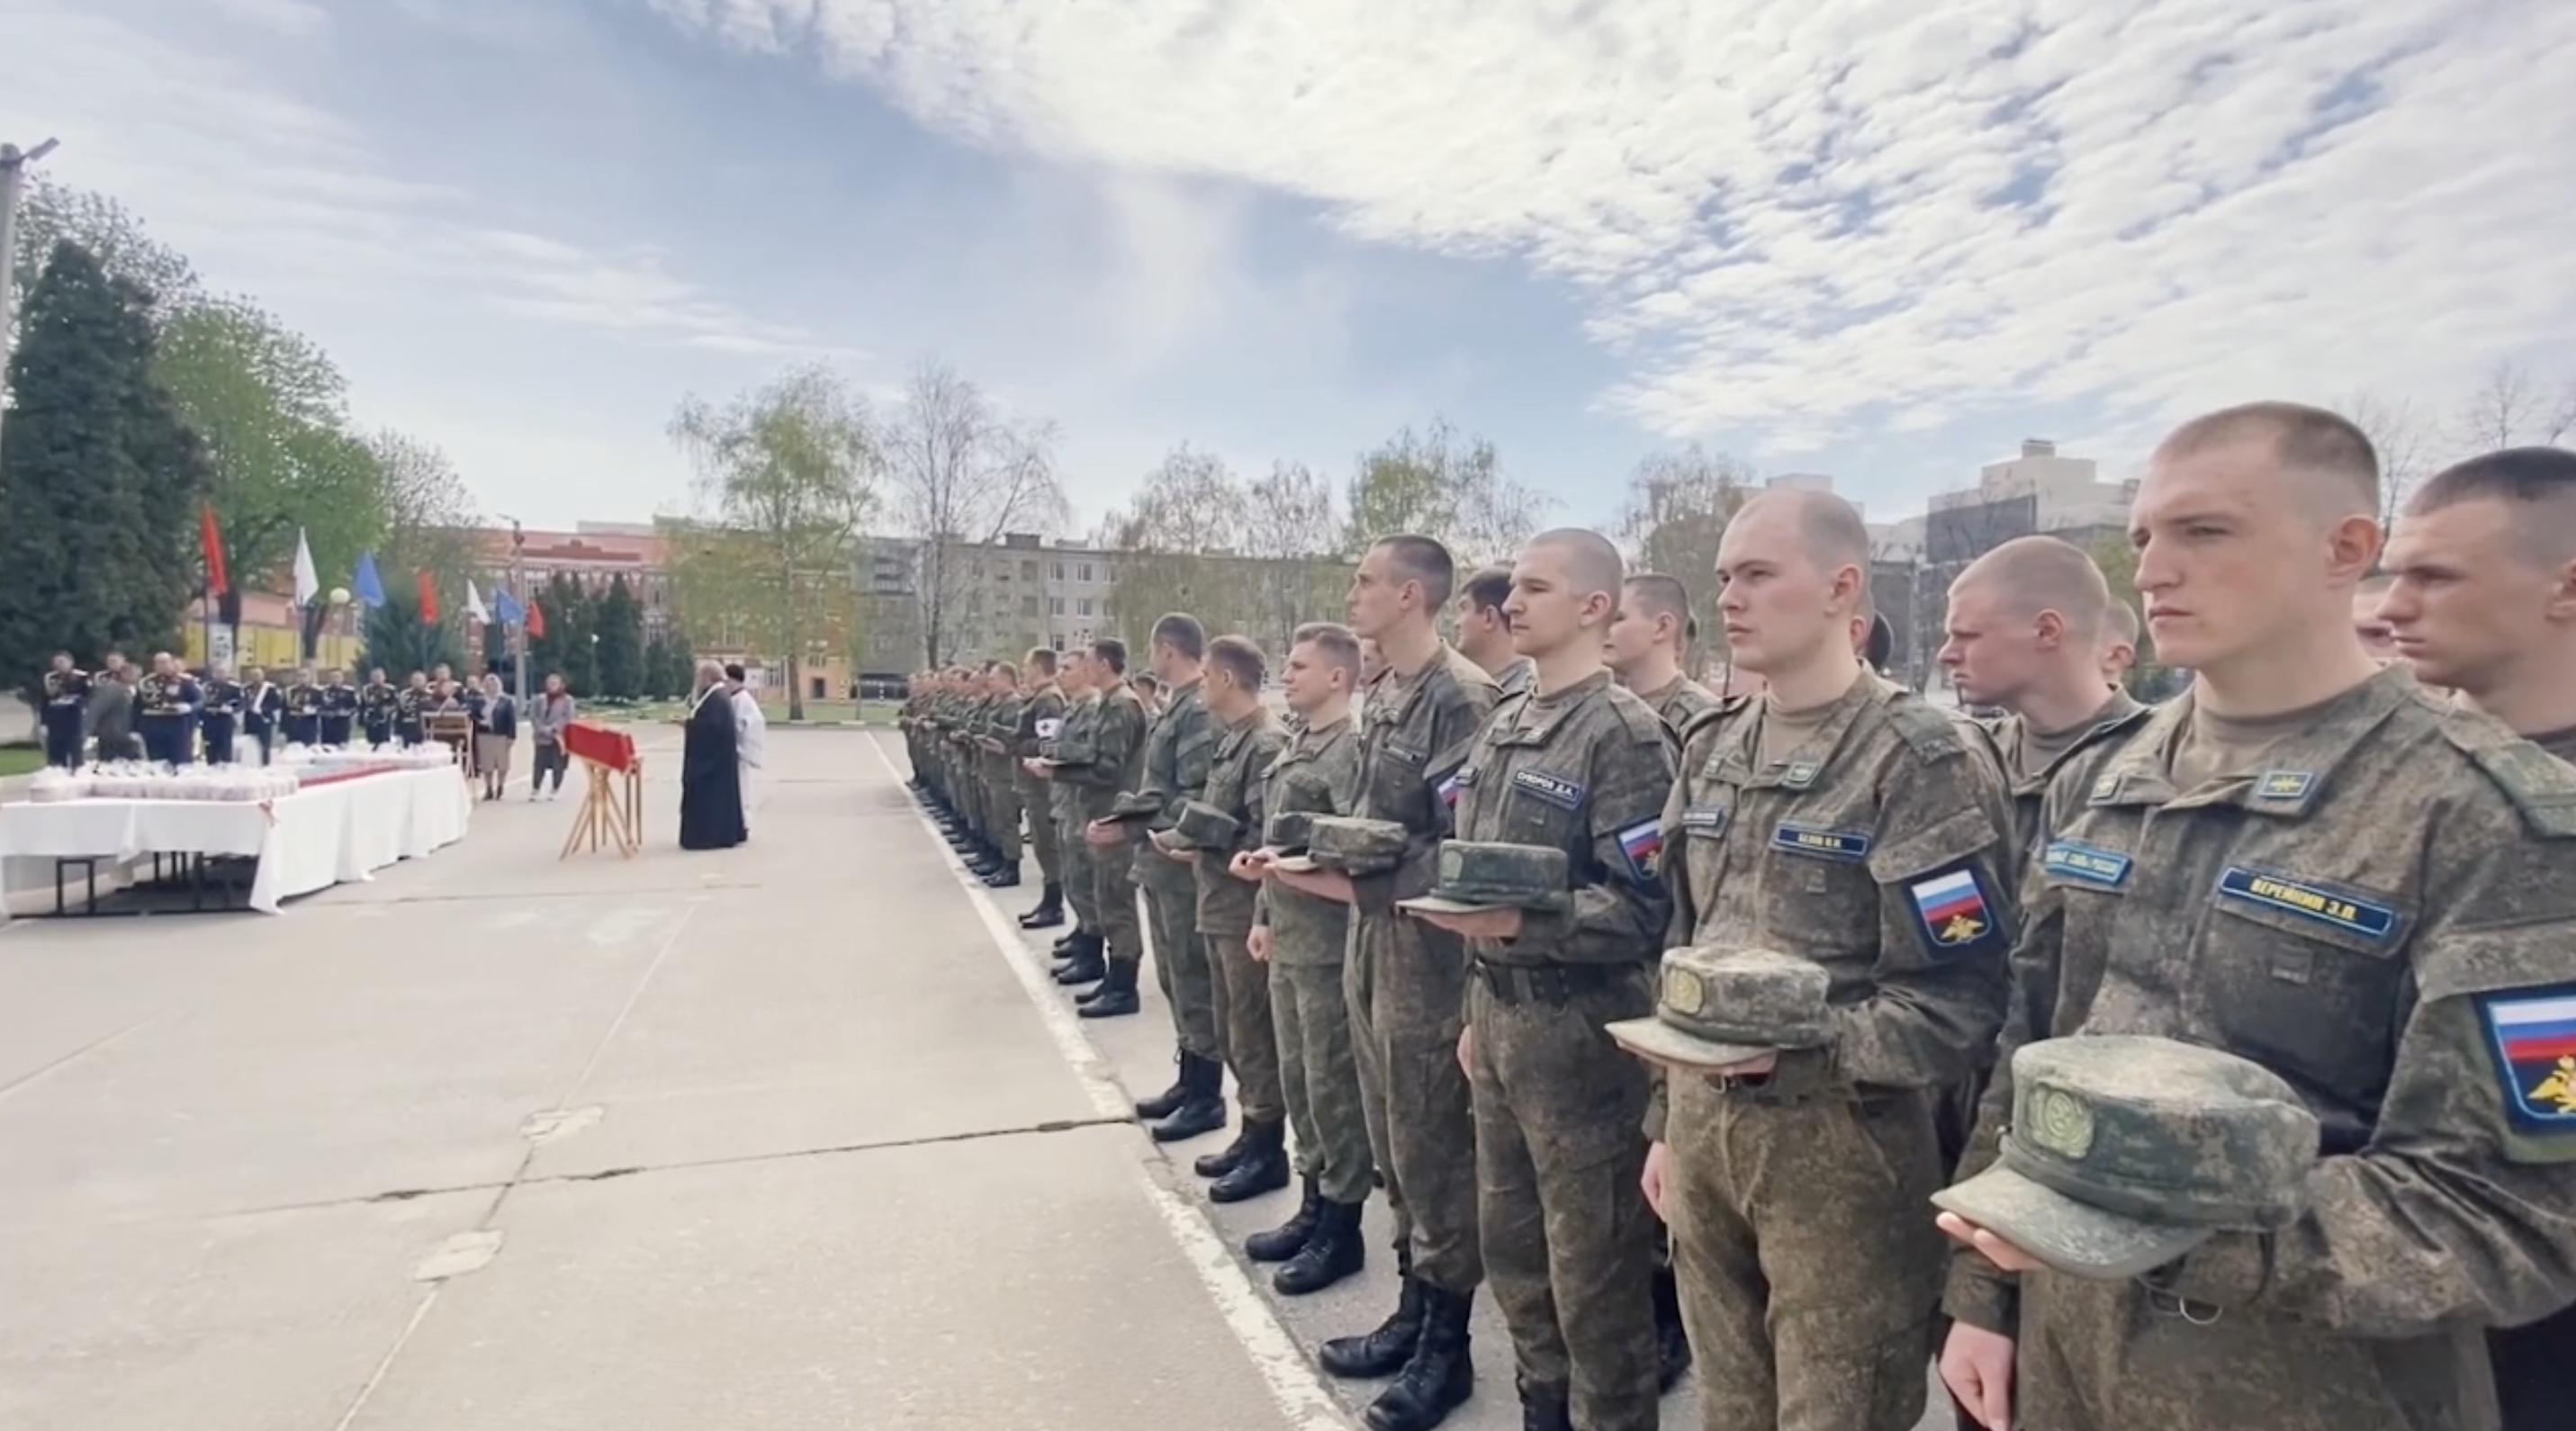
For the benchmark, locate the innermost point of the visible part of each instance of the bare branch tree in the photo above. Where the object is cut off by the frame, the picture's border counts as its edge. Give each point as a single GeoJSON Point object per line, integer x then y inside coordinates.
{"type": "Point", "coordinates": [1678, 506]}
{"type": "Point", "coordinates": [2510, 409]}
{"type": "Point", "coordinates": [964, 474]}
{"type": "Point", "coordinates": [2404, 439]}
{"type": "Point", "coordinates": [1443, 484]}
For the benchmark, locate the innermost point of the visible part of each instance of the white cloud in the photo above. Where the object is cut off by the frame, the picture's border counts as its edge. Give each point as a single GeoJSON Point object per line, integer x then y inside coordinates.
{"type": "Point", "coordinates": [1789, 216]}
{"type": "Point", "coordinates": [287, 17]}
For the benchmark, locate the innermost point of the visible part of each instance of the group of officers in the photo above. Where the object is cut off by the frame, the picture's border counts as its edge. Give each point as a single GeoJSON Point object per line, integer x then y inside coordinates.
{"type": "Point", "coordinates": [176, 717]}
{"type": "Point", "coordinates": [2354, 868]}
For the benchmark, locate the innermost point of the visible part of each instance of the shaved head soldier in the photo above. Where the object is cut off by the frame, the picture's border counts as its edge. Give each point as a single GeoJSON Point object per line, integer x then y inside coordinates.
{"type": "Point", "coordinates": [1841, 821]}
{"type": "Point", "coordinates": [1579, 766]}
{"type": "Point", "coordinates": [2306, 862]}
{"type": "Point", "coordinates": [1406, 984]}
{"type": "Point", "coordinates": [2119, 644]}
{"type": "Point", "coordinates": [1485, 631]}
{"type": "Point", "coordinates": [2482, 601]}
{"type": "Point", "coordinates": [1649, 647]}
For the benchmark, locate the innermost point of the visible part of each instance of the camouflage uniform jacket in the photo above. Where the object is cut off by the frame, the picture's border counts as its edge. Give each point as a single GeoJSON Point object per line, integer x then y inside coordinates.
{"type": "Point", "coordinates": [1586, 771]}
{"type": "Point", "coordinates": [2378, 918]}
{"type": "Point", "coordinates": [1001, 722]}
{"type": "Point", "coordinates": [1234, 785]}
{"type": "Point", "coordinates": [1041, 719]}
{"type": "Point", "coordinates": [1880, 849]}
{"type": "Point", "coordinates": [2079, 762]}
{"type": "Point", "coordinates": [1114, 744]}
{"type": "Point", "coordinates": [1318, 771]}
{"type": "Point", "coordinates": [1415, 732]}
{"type": "Point", "coordinates": [1680, 703]}
{"type": "Point", "coordinates": [1178, 751]}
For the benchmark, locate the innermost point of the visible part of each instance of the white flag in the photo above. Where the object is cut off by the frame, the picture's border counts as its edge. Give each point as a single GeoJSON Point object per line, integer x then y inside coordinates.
{"type": "Point", "coordinates": [474, 603]}
{"type": "Point", "coordinates": [307, 585]}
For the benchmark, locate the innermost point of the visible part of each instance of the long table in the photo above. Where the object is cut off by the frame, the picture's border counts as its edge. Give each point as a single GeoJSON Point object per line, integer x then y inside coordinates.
{"type": "Point", "coordinates": [335, 833]}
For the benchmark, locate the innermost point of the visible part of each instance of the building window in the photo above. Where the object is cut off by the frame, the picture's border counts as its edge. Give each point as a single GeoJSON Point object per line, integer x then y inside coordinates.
{"type": "Point", "coordinates": [1059, 571]}
{"type": "Point", "coordinates": [1086, 606]}
{"type": "Point", "coordinates": [1055, 606]}
{"type": "Point", "coordinates": [1028, 571]}
{"type": "Point", "coordinates": [1086, 571]}
{"type": "Point", "coordinates": [1028, 606]}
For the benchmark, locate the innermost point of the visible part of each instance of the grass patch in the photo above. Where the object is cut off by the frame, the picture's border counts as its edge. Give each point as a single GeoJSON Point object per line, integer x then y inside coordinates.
{"type": "Point", "coordinates": [871, 713]}
{"type": "Point", "coordinates": [20, 759]}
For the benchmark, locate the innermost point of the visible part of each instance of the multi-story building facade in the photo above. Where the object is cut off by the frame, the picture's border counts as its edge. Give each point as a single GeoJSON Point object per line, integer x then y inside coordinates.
{"type": "Point", "coordinates": [592, 555]}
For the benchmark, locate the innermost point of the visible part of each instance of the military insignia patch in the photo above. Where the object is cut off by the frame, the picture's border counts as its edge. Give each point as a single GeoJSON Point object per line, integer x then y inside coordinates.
{"type": "Point", "coordinates": [1801, 773]}
{"type": "Point", "coordinates": [2061, 1123]}
{"type": "Point", "coordinates": [1847, 845]}
{"type": "Point", "coordinates": [2107, 786]}
{"type": "Point", "coordinates": [2284, 785]}
{"type": "Point", "coordinates": [2534, 1037]}
{"type": "Point", "coordinates": [1643, 844]}
{"type": "Point", "coordinates": [2086, 864]}
{"type": "Point", "coordinates": [1050, 728]}
{"type": "Point", "coordinates": [2354, 916]}
{"type": "Point", "coordinates": [1705, 821]}
{"type": "Point", "coordinates": [1448, 790]}
{"type": "Point", "coordinates": [1954, 912]}
{"type": "Point", "coordinates": [1555, 790]}
{"type": "Point", "coordinates": [1683, 994]}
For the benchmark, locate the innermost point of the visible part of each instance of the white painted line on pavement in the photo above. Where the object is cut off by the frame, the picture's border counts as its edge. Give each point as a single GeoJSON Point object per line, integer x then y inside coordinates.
{"type": "Point", "coordinates": [1293, 1387]}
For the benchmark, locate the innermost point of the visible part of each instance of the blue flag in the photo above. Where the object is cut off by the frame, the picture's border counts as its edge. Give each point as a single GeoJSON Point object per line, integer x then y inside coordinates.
{"type": "Point", "coordinates": [505, 608]}
{"type": "Point", "coordinates": [371, 589]}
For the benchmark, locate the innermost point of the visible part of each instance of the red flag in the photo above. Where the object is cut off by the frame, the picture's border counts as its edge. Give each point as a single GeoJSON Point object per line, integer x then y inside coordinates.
{"type": "Point", "coordinates": [428, 599]}
{"type": "Point", "coordinates": [536, 620]}
{"type": "Point", "coordinates": [217, 582]}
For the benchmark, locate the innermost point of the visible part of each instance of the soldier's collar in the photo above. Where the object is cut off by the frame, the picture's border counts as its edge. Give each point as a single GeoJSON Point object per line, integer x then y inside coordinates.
{"type": "Point", "coordinates": [1806, 764]}
{"type": "Point", "coordinates": [1536, 719]}
{"type": "Point", "coordinates": [2296, 770]}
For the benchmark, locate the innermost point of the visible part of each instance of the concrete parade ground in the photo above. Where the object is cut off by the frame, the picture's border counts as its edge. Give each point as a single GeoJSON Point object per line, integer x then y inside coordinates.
{"type": "Point", "coordinates": [795, 1135]}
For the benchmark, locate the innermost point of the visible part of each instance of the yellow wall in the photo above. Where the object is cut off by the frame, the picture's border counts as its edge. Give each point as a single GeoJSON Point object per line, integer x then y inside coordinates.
{"type": "Point", "coordinates": [276, 649]}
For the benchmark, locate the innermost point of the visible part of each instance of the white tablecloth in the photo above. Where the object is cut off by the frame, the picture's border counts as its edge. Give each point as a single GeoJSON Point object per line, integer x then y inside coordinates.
{"type": "Point", "coordinates": [309, 840]}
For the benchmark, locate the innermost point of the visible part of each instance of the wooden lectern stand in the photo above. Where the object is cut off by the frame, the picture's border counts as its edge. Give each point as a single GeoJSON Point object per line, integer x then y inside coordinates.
{"type": "Point", "coordinates": [614, 807]}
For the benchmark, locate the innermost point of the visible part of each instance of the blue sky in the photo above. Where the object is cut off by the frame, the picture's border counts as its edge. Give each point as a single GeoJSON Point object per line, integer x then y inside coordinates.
{"type": "Point", "coordinates": [1877, 239]}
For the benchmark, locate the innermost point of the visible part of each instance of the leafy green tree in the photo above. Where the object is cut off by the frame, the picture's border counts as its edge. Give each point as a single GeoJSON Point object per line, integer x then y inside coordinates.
{"type": "Point", "coordinates": [98, 479]}
{"type": "Point", "coordinates": [400, 642]}
{"type": "Point", "coordinates": [621, 642]}
{"type": "Point", "coordinates": [657, 670]}
{"type": "Point", "coordinates": [565, 650]}
{"type": "Point", "coordinates": [1442, 484]}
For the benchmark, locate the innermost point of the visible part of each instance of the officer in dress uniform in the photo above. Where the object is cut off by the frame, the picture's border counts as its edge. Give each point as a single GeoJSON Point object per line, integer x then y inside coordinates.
{"type": "Point", "coordinates": [165, 708]}
{"type": "Point", "coordinates": [411, 703]}
{"type": "Point", "coordinates": [222, 713]}
{"type": "Point", "coordinates": [304, 710]}
{"type": "Point", "coordinates": [66, 692]}
{"type": "Point", "coordinates": [376, 702]}
{"type": "Point", "coordinates": [339, 708]}
{"type": "Point", "coordinates": [263, 705]}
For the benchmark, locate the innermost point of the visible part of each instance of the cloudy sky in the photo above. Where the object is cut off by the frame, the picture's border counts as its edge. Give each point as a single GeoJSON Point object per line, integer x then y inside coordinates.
{"type": "Point", "coordinates": [1878, 238]}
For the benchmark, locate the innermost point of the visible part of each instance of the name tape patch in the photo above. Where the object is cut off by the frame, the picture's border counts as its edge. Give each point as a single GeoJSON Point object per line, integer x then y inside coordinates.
{"type": "Point", "coordinates": [1555, 790]}
{"type": "Point", "coordinates": [1705, 820]}
{"type": "Point", "coordinates": [2354, 916]}
{"type": "Point", "coordinates": [2086, 864]}
{"type": "Point", "coordinates": [1820, 844]}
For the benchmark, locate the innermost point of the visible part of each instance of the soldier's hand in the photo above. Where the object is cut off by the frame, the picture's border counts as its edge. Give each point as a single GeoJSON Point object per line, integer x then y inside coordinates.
{"type": "Point", "coordinates": [1248, 866]}
{"type": "Point", "coordinates": [1977, 1366]}
{"type": "Point", "coordinates": [1997, 1251]}
{"type": "Point", "coordinates": [1322, 884]}
{"type": "Point", "coordinates": [1257, 944]}
{"type": "Point", "coordinates": [1103, 834]}
{"type": "Point", "coordinates": [1658, 1155]}
{"type": "Point", "coordinates": [1483, 924]}
{"type": "Point", "coordinates": [1754, 1067]}
{"type": "Point", "coordinates": [1467, 1051]}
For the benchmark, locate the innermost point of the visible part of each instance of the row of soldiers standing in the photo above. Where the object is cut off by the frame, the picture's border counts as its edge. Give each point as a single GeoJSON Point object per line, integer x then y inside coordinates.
{"type": "Point", "coordinates": [174, 716]}
{"type": "Point", "coordinates": [2307, 861]}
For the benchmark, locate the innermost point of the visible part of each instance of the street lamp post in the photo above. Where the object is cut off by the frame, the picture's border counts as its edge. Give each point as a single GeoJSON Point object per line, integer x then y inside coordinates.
{"type": "Point", "coordinates": [520, 593]}
{"type": "Point", "coordinates": [13, 175]}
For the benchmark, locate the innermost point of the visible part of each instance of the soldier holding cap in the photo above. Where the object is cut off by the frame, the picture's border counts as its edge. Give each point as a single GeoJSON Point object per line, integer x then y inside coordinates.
{"type": "Point", "coordinates": [1559, 812]}
{"type": "Point", "coordinates": [1117, 740]}
{"type": "Point", "coordinates": [1073, 745]}
{"type": "Point", "coordinates": [1178, 751]}
{"type": "Point", "coordinates": [2305, 862]}
{"type": "Point", "coordinates": [1840, 820]}
{"type": "Point", "coordinates": [1041, 717]}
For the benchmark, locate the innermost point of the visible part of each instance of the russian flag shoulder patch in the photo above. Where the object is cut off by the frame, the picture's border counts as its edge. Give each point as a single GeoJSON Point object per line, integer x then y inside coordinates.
{"type": "Point", "coordinates": [1955, 912]}
{"type": "Point", "coordinates": [2532, 1033]}
{"type": "Point", "coordinates": [1643, 844]}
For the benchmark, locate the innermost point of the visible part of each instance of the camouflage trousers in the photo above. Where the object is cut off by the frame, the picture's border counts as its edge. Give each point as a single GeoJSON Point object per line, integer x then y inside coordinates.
{"type": "Point", "coordinates": [1042, 829]}
{"type": "Point", "coordinates": [1002, 807]}
{"type": "Point", "coordinates": [1809, 1274]}
{"type": "Point", "coordinates": [2104, 1356]}
{"type": "Point", "coordinates": [1242, 994]}
{"type": "Point", "coordinates": [1181, 959]}
{"type": "Point", "coordinates": [1113, 898]}
{"type": "Point", "coordinates": [1565, 1229]}
{"type": "Point", "coordinates": [1406, 983]}
{"type": "Point", "coordinates": [1079, 890]}
{"type": "Point", "coordinates": [1318, 1079]}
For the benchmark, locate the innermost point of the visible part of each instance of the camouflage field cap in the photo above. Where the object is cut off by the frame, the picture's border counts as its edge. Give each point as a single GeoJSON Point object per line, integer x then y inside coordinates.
{"type": "Point", "coordinates": [2125, 1153]}
{"type": "Point", "coordinates": [1289, 831]}
{"type": "Point", "coordinates": [1478, 875]}
{"type": "Point", "coordinates": [1134, 805]}
{"type": "Point", "coordinates": [1206, 827]}
{"type": "Point", "coordinates": [1717, 1007]}
{"type": "Point", "coordinates": [1353, 845]}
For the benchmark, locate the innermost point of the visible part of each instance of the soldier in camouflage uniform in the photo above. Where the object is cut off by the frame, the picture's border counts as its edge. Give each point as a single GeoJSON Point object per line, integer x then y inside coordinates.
{"type": "Point", "coordinates": [1041, 719]}
{"type": "Point", "coordinates": [1839, 819]}
{"type": "Point", "coordinates": [1485, 631]}
{"type": "Point", "coordinates": [1248, 739]}
{"type": "Point", "coordinates": [1406, 982]}
{"type": "Point", "coordinates": [2475, 608]}
{"type": "Point", "coordinates": [1178, 751]}
{"type": "Point", "coordinates": [2307, 862]}
{"type": "Point", "coordinates": [1074, 745]}
{"type": "Point", "coordinates": [1303, 940]}
{"type": "Point", "coordinates": [999, 739]}
{"type": "Point", "coordinates": [1117, 760]}
{"type": "Point", "coordinates": [1580, 765]}
{"type": "Point", "coordinates": [1649, 644]}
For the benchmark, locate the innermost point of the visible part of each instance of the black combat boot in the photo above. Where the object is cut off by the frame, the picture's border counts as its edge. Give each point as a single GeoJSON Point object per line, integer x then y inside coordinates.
{"type": "Point", "coordinates": [1262, 1168]}
{"type": "Point", "coordinates": [1384, 1350]}
{"type": "Point", "coordinates": [1544, 1407]}
{"type": "Point", "coordinates": [1065, 941]}
{"type": "Point", "coordinates": [1083, 962]}
{"type": "Point", "coordinates": [1221, 1162]}
{"type": "Point", "coordinates": [1168, 1102]}
{"type": "Point", "coordinates": [1116, 996]}
{"type": "Point", "coordinates": [1333, 1251]}
{"type": "Point", "coordinates": [1288, 1238]}
{"type": "Point", "coordinates": [1202, 1107]}
{"type": "Point", "coordinates": [1050, 910]}
{"type": "Point", "coordinates": [1672, 1344]}
{"type": "Point", "coordinates": [1007, 876]}
{"type": "Point", "coordinates": [1438, 1377]}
